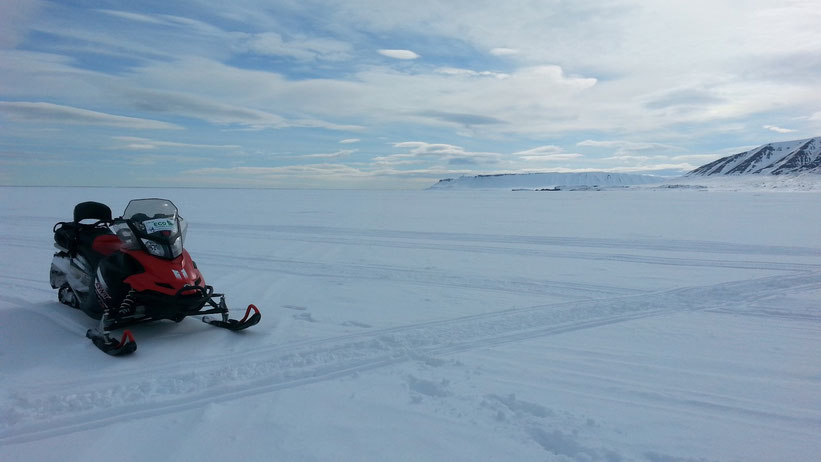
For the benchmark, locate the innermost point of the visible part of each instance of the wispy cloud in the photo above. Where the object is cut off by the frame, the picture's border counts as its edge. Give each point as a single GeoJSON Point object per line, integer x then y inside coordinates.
{"type": "Point", "coordinates": [419, 151]}
{"type": "Point", "coordinates": [502, 51]}
{"type": "Point", "coordinates": [471, 73]}
{"type": "Point", "coordinates": [184, 23]}
{"type": "Point", "coordinates": [134, 143]}
{"type": "Point", "coordinates": [296, 176]}
{"type": "Point", "coordinates": [625, 147]}
{"type": "Point", "coordinates": [779, 129]}
{"type": "Point", "coordinates": [462, 119]}
{"type": "Point", "coordinates": [202, 108]}
{"type": "Point", "coordinates": [399, 54]}
{"type": "Point", "coordinates": [547, 153]}
{"type": "Point", "coordinates": [333, 155]}
{"type": "Point", "coordinates": [55, 113]}
{"type": "Point", "coordinates": [304, 49]}
{"type": "Point", "coordinates": [13, 21]}
{"type": "Point", "coordinates": [541, 151]}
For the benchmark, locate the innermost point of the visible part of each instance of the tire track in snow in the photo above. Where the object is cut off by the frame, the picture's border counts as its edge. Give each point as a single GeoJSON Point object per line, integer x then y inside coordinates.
{"type": "Point", "coordinates": [61, 409]}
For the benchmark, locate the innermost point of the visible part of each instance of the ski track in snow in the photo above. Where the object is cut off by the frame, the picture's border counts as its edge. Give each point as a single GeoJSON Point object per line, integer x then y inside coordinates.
{"type": "Point", "coordinates": [61, 408]}
{"type": "Point", "coordinates": [514, 245]}
{"type": "Point", "coordinates": [426, 277]}
{"type": "Point", "coordinates": [676, 245]}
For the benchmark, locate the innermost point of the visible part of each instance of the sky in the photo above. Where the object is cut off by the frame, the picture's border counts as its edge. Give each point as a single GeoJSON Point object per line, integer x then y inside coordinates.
{"type": "Point", "coordinates": [383, 94]}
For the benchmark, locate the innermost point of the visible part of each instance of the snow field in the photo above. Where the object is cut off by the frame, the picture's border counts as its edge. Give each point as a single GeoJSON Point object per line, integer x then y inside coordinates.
{"type": "Point", "coordinates": [623, 325]}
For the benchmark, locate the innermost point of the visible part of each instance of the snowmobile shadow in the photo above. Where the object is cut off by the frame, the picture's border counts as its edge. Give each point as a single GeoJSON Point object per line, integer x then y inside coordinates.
{"type": "Point", "coordinates": [57, 332]}
{"type": "Point", "coordinates": [45, 335]}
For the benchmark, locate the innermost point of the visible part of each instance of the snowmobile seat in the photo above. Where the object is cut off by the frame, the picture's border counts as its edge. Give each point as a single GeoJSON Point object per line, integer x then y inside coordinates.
{"type": "Point", "coordinates": [91, 240]}
{"type": "Point", "coordinates": [91, 211]}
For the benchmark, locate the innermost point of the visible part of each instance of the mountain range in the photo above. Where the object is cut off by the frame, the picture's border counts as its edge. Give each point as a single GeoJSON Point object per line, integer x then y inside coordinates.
{"type": "Point", "coordinates": [799, 156]}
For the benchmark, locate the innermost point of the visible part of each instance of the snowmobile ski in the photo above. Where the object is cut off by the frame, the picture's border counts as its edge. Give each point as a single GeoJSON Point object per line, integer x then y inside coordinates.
{"type": "Point", "coordinates": [111, 346]}
{"type": "Point", "coordinates": [232, 324]}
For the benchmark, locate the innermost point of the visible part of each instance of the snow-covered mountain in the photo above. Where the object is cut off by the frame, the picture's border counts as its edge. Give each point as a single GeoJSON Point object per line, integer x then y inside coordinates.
{"type": "Point", "coordinates": [545, 180]}
{"type": "Point", "coordinates": [799, 156]}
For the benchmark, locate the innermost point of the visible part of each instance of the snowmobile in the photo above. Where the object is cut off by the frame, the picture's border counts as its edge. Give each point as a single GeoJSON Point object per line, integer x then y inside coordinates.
{"type": "Point", "coordinates": [131, 270]}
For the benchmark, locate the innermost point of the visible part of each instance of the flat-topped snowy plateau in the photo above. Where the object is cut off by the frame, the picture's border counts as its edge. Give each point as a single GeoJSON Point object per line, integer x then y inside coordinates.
{"type": "Point", "coordinates": [550, 180]}
{"type": "Point", "coordinates": [651, 325]}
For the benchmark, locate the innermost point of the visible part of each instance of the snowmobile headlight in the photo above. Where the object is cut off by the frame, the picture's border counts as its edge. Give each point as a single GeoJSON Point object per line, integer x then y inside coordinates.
{"type": "Point", "coordinates": [176, 247]}
{"type": "Point", "coordinates": [153, 248]}
{"type": "Point", "coordinates": [126, 236]}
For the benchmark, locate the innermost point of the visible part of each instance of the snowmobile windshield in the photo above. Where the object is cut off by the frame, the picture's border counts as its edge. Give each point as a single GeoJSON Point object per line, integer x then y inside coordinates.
{"type": "Point", "coordinates": [153, 225]}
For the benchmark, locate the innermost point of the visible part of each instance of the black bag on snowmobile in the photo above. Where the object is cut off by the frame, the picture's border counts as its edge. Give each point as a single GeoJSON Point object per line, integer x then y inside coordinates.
{"type": "Point", "coordinates": [68, 235]}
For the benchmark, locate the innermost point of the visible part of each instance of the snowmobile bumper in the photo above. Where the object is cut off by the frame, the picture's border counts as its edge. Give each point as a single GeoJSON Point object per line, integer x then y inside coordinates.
{"type": "Point", "coordinates": [184, 304]}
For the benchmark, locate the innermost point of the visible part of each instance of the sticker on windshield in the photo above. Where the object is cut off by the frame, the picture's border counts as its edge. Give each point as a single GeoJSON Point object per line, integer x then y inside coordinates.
{"type": "Point", "coordinates": [159, 224]}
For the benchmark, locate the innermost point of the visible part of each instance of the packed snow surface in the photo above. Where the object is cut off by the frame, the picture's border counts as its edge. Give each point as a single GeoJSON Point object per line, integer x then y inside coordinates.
{"type": "Point", "coordinates": [639, 325]}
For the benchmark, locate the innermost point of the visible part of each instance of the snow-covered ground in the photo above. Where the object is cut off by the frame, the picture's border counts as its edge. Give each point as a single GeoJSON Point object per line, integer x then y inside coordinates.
{"type": "Point", "coordinates": [648, 325]}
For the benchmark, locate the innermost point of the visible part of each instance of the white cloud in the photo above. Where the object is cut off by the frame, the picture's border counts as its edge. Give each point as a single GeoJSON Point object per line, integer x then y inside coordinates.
{"type": "Point", "coordinates": [541, 158]}
{"type": "Point", "coordinates": [54, 113]}
{"type": "Point", "coordinates": [184, 24]}
{"type": "Point", "coordinates": [293, 176]}
{"type": "Point", "coordinates": [471, 73]}
{"type": "Point", "coordinates": [141, 144]}
{"type": "Point", "coordinates": [551, 157]}
{"type": "Point", "coordinates": [640, 69]}
{"type": "Point", "coordinates": [622, 146]}
{"type": "Point", "coordinates": [399, 54]}
{"type": "Point", "coordinates": [643, 47]}
{"type": "Point", "coordinates": [537, 99]}
{"type": "Point", "coordinates": [779, 129]}
{"type": "Point", "coordinates": [541, 150]}
{"type": "Point", "coordinates": [333, 155]}
{"type": "Point", "coordinates": [443, 154]}
{"type": "Point", "coordinates": [504, 51]}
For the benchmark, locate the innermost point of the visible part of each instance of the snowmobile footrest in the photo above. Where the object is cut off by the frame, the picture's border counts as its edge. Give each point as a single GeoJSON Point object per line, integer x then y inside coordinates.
{"type": "Point", "coordinates": [108, 345]}
{"type": "Point", "coordinates": [232, 324]}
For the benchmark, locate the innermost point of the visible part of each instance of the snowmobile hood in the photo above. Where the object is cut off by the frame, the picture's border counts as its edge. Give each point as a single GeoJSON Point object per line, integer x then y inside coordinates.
{"type": "Point", "coordinates": [162, 275]}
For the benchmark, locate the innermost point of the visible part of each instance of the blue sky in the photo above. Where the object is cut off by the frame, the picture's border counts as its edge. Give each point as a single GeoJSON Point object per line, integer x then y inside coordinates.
{"type": "Point", "coordinates": [394, 94]}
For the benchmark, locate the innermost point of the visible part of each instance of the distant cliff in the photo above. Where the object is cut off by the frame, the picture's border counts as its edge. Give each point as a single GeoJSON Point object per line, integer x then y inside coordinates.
{"type": "Point", "coordinates": [545, 180]}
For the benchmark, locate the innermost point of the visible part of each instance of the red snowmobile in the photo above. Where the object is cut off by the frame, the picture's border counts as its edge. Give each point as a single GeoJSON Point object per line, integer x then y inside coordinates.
{"type": "Point", "coordinates": [131, 270]}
